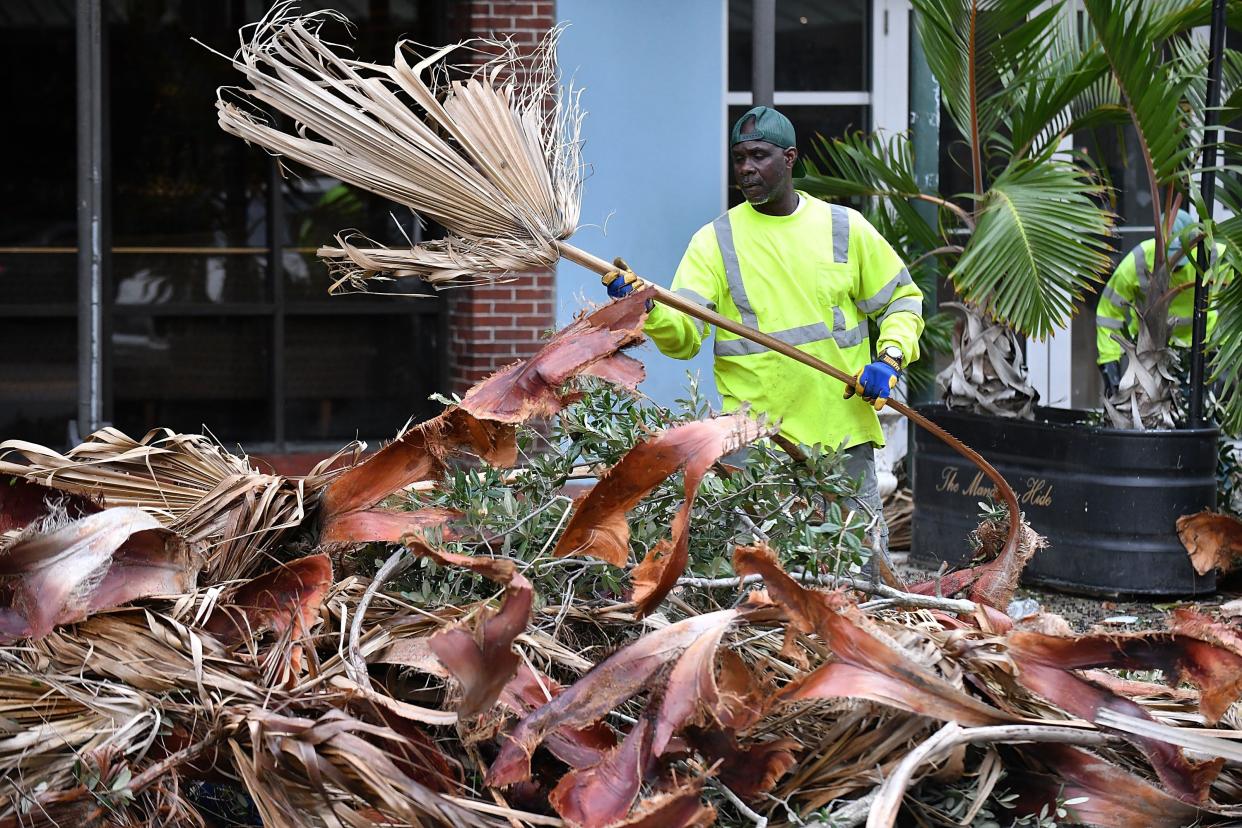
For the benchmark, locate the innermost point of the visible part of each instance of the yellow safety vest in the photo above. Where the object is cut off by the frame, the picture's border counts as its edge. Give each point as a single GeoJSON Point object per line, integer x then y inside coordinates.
{"type": "Point", "coordinates": [812, 279]}
{"type": "Point", "coordinates": [1127, 288]}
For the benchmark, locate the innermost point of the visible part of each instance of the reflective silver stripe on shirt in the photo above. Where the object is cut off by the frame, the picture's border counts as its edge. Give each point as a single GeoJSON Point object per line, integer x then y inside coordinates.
{"type": "Point", "coordinates": [847, 337]}
{"type": "Point", "coordinates": [908, 304]}
{"type": "Point", "coordinates": [1109, 322]}
{"type": "Point", "coordinates": [1140, 268]}
{"type": "Point", "coordinates": [840, 234]}
{"type": "Point", "coordinates": [801, 335]}
{"type": "Point", "coordinates": [697, 298]}
{"type": "Point", "coordinates": [1115, 297]}
{"type": "Point", "coordinates": [884, 294]}
{"type": "Point", "coordinates": [733, 273]}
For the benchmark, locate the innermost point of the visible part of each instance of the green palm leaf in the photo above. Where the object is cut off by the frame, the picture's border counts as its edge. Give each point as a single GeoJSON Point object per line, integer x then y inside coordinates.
{"type": "Point", "coordinates": [1070, 89]}
{"type": "Point", "coordinates": [1225, 340]}
{"type": "Point", "coordinates": [1131, 34]}
{"type": "Point", "coordinates": [862, 166]}
{"type": "Point", "coordinates": [937, 338]}
{"type": "Point", "coordinates": [977, 49]}
{"type": "Point", "coordinates": [1190, 61]}
{"type": "Point", "coordinates": [1039, 245]}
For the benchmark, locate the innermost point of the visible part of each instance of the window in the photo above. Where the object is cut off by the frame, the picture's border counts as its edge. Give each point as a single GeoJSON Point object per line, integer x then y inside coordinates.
{"type": "Point", "coordinates": [822, 71]}
{"type": "Point", "coordinates": [38, 233]}
{"type": "Point", "coordinates": [216, 308]}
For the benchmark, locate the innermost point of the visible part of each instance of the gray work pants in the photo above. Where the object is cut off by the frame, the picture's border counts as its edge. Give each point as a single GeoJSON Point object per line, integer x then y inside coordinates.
{"type": "Point", "coordinates": [860, 465]}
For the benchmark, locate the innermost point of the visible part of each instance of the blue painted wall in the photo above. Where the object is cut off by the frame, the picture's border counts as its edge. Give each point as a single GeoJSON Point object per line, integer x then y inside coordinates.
{"type": "Point", "coordinates": [653, 74]}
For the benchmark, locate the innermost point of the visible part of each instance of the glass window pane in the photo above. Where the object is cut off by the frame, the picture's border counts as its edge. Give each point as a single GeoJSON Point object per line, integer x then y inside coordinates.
{"type": "Point", "coordinates": [819, 46]}
{"type": "Point", "coordinates": [178, 179]}
{"type": "Point", "coordinates": [1116, 153]}
{"type": "Point", "coordinates": [808, 121]}
{"type": "Point", "coordinates": [956, 176]}
{"type": "Point", "coordinates": [39, 279]}
{"type": "Point", "coordinates": [38, 379]}
{"type": "Point", "coordinates": [169, 278]}
{"type": "Point", "coordinates": [188, 372]}
{"type": "Point", "coordinates": [307, 280]}
{"type": "Point", "coordinates": [348, 376]}
{"type": "Point", "coordinates": [39, 185]}
{"type": "Point", "coordinates": [317, 208]}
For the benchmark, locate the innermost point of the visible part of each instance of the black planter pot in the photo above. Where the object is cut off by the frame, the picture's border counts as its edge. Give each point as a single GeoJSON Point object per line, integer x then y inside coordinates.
{"type": "Point", "coordinates": [1106, 499]}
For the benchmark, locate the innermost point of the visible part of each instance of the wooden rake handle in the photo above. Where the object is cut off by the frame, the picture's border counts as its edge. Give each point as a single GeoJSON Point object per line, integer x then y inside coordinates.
{"type": "Point", "coordinates": [672, 300]}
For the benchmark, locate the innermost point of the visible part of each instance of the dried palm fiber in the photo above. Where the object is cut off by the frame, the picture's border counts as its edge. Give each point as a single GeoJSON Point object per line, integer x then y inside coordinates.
{"type": "Point", "coordinates": [175, 699]}
{"type": "Point", "coordinates": [1149, 394]}
{"type": "Point", "coordinates": [494, 158]}
{"type": "Point", "coordinates": [188, 482]}
{"type": "Point", "coordinates": [899, 515]}
{"type": "Point", "coordinates": [988, 369]}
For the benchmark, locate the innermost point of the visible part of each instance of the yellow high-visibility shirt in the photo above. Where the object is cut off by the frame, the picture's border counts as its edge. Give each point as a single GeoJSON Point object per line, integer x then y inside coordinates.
{"type": "Point", "coordinates": [811, 279]}
{"type": "Point", "coordinates": [1127, 289]}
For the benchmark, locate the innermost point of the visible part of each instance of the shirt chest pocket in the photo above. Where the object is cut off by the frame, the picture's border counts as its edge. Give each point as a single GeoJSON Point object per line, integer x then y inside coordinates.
{"type": "Point", "coordinates": [834, 287]}
{"type": "Point", "coordinates": [834, 291]}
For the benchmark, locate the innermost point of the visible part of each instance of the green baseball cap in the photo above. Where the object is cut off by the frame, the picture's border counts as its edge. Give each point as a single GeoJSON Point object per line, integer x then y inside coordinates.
{"type": "Point", "coordinates": [770, 126]}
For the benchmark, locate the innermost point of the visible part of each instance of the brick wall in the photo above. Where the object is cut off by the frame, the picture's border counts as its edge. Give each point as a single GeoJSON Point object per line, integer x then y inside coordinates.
{"type": "Point", "coordinates": [491, 326]}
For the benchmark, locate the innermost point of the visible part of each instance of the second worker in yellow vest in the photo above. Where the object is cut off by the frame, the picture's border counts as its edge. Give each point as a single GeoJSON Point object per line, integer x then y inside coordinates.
{"type": "Point", "coordinates": [1115, 315]}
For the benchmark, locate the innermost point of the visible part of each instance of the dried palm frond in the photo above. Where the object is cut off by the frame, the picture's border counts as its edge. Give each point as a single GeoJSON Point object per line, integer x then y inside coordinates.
{"type": "Point", "coordinates": [187, 482]}
{"type": "Point", "coordinates": [899, 515]}
{"type": "Point", "coordinates": [1149, 394]}
{"type": "Point", "coordinates": [495, 158]}
{"type": "Point", "coordinates": [988, 370]}
{"type": "Point", "coordinates": [57, 572]}
{"type": "Point", "coordinates": [330, 770]}
{"type": "Point", "coordinates": [52, 717]}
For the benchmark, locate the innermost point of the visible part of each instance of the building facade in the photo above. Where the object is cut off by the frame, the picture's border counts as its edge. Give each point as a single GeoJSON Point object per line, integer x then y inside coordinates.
{"type": "Point", "coordinates": [194, 252]}
{"type": "Point", "coordinates": [212, 309]}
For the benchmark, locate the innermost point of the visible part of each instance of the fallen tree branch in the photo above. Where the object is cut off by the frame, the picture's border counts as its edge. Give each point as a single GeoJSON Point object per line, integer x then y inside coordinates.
{"type": "Point", "coordinates": [1201, 742]}
{"type": "Point", "coordinates": [892, 792]}
{"type": "Point", "coordinates": [742, 808]}
{"type": "Point", "coordinates": [735, 581]}
{"type": "Point", "coordinates": [889, 597]}
{"type": "Point", "coordinates": [355, 664]}
{"type": "Point", "coordinates": [850, 815]}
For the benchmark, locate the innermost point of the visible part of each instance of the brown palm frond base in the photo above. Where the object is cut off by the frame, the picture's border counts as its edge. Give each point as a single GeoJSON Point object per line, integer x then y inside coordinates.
{"type": "Point", "coordinates": [1149, 395]}
{"type": "Point", "coordinates": [988, 372]}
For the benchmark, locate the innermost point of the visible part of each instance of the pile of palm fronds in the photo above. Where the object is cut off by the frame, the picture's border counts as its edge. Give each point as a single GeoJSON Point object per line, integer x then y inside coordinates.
{"type": "Point", "coordinates": [179, 632]}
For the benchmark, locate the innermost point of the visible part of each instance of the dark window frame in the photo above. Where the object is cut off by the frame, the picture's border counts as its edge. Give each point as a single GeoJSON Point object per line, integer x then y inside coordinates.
{"type": "Point", "coordinates": [428, 315]}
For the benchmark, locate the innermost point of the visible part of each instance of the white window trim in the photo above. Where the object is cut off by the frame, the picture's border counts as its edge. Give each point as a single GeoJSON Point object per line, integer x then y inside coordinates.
{"type": "Point", "coordinates": [805, 98]}
{"type": "Point", "coordinates": [890, 65]}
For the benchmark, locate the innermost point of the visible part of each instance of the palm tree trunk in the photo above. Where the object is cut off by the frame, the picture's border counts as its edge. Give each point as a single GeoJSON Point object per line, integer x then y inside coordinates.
{"type": "Point", "coordinates": [988, 373]}
{"type": "Point", "coordinates": [1149, 395]}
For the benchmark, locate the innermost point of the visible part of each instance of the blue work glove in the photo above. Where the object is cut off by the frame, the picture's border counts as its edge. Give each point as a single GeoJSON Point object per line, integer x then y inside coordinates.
{"type": "Point", "coordinates": [620, 282]}
{"type": "Point", "coordinates": [877, 380]}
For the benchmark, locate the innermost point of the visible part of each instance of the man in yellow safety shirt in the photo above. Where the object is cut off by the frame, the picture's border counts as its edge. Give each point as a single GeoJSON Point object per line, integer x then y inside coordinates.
{"type": "Point", "coordinates": [808, 273]}
{"type": "Point", "coordinates": [1127, 289]}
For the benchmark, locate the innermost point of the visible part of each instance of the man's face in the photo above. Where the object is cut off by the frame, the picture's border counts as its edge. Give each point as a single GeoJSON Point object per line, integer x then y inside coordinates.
{"type": "Point", "coordinates": [763, 171]}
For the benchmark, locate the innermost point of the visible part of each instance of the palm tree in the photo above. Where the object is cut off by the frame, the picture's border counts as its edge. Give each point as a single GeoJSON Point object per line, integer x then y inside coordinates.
{"type": "Point", "coordinates": [1156, 78]}
{"type": "Point", "coordinates": [1030, 237]}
